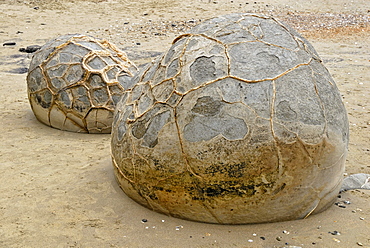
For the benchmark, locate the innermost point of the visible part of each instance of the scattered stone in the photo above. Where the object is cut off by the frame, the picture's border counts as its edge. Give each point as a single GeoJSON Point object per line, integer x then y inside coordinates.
{"type": "Point", "coordinates": [336, 240]}
{"type": "Point", "coordinates": [30, 49]}
{"type": "Point", "coordinates": [9, 44]}
{"type": "Point", "coordinates": [334, 233]}
{"type": "Point", "coordinates": [179, 227]}
{"type": "Point", "coordinates": [356, 181]}
{"type": "Point", "coordinates": [144, 220]}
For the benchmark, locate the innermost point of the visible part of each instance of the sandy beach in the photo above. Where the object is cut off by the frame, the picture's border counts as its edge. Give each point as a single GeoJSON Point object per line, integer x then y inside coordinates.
{"type": "Point", "coordinates": [57, 188]}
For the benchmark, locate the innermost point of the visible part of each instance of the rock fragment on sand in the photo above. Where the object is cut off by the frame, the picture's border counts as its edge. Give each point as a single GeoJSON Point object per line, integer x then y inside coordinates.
{"type": "Point", "coordinates": [356, 181]}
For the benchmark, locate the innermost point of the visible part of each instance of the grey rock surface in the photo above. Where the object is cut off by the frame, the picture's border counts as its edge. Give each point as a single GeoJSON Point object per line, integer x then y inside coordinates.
{"type": "Point", "coordinates": [356, 181]}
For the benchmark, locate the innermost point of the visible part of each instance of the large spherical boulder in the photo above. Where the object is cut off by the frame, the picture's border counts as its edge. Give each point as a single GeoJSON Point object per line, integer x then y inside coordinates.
{"type": "Point", "coordinates": [75, 81]}
{"type": "Point", "coordinates": [239, 122]}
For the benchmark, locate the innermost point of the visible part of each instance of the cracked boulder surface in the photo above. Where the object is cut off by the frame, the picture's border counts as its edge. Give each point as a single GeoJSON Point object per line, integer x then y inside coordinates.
{"type": "Point", "coordinates": [238, 122]}
{"type": "Point", "coordinates": [75, 81]}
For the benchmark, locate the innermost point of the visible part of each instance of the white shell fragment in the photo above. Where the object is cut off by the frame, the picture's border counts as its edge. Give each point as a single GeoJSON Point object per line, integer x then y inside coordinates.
{"type": "Point", "coordinates": [238, 122]}
{"type": "Point", "coordinates": [75, 81]}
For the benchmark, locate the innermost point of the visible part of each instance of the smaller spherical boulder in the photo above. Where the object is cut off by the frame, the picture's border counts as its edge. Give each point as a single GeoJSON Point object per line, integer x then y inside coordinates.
{"type": "Point", "coordinates": [75, 81]}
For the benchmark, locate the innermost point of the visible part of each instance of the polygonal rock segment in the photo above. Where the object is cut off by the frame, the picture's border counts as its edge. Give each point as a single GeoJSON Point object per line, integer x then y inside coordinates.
{"type": "Point", "coordinates": [209, 127]}
{"type": "Point", "coordinates": [58, 70]}
{"type": "Point", "coordinates": [89, 44]}
{"type": "Point", "coordinates": [44, 98]}
{"type": "Point", "coordinates": [251, 94]}
{"type": "Point", "coordinates": [75, 50]}
{"type": "Point", "coordinates": [96, 63]}
{"type": "Point", "coordinates": [163, 91]}
{"type": "Point", "coordinates": [36, 80]}
{"type": "Point", "coordinates": [146, 100]}
{"type": "Point", "coordinates": [40, 56]}
{"type": "Point", "coordinates": [201, 64]}
{"type": "Point", "coordinates": [99, 120]}
{"type": "Point", "coordinates": [256, 61]}
{"type": "Point", "coordinates": [159, 76]}
{"type": "Point", "coordinates": [175, 50]}
{"type": "Point", "coordinates": [100, 96]}
{"type": "Point", "coordinates": [38, 107]}
{"type": "Point", "coordinates": [173, 68]}
{"type": "Point", "coordinates": [96, 81]}
{"type": "Point", "coordinates": [226, 29]}
{"type": "Point", "coordinates": [120, 120]}
{"type": "Point", "coordinates": [112, 73]}
{"type": "Point", "coordinates": [147, 74]}
{"type": "Point", "coordinates": [115, 92]}
{"type": "Point", "coordinates": [149, 125]}
{"type": "Point", "coordinates": [74, 74]}
{"type": "Point", "coordinates": [335, 112]}
{"type": "Point", "coordinates": [81, 100]}
{"type": "Point", "coordinates": [209, 117]}
{"type": "Point", "coordinates": [57, 117]}
{"type": "Point", "coordinates": [297, 105]}
{"type": "Point", "coordinates": [276, 34]}
{"type": "Point", "coordinates": [80, 72]}
{"type": "Point", "coordinates": [65, 99]}
{"type": "Point", "coordinates": [125, 80]}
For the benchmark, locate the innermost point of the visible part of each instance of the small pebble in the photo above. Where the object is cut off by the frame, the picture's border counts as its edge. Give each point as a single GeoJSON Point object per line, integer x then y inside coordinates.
{"type": "Point", "coordinates": [144, 220]}
{"type": "Point", "coordinates": [286, 232]}
{"type": "Point", "coordinates": [179, 227]}
{"type": "Point", "coordinates": [250, 240]}
{"type": "Point", "coordinates": [263, 238]}
{"type": "Point", "coordinates": [336, 240]}
{"type": "Point", "coordinates": [9, 44]}
{"type": "Point", "coordinates": [254, 234]}
{"type": "Point", "coordinates": [359, 244]}
{"type": "Point", "coordinates": [278, 238]}
{"type": "Point", "coordinates": [335, 233]}
{"type": "Point", "coordinates": [362, 218]}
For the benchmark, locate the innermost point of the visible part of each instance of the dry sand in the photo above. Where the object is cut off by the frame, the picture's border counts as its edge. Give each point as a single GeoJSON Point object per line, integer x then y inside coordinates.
{"type": "Point", "coordinates": [57, 188]}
